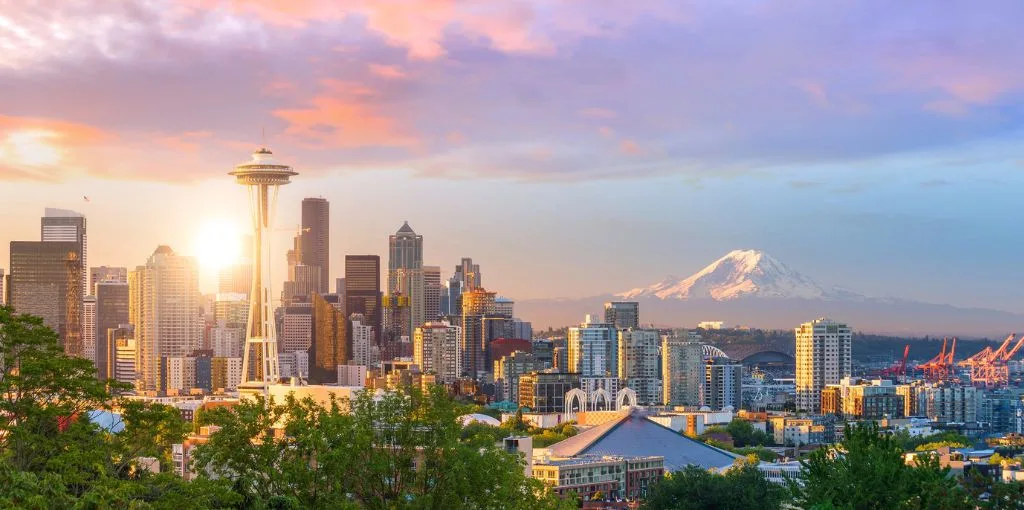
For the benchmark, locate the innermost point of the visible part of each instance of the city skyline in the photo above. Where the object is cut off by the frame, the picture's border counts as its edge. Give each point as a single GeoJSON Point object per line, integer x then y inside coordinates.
{"type": "Point", "coordinates": [907, 153]}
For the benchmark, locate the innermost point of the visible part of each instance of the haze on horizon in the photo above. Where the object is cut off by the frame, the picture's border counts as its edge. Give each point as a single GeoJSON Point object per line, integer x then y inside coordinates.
{"type": "Point", "coordinates": [571, 149]}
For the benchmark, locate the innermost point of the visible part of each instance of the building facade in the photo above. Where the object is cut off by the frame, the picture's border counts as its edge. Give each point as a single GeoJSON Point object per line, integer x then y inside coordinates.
{"type": "Point", "coordinates": [544, 392]}
{"type": "Point", "coordinates": [111, 313]}
{"type": "Point", "coordinates": [823, 356]}
{"type": "Point", "coordinates": [723, 384]}
{"type": "Point", "coordinates": [362, 290]}
{"type": "Point", "coordinates": [165, 309]}
{"type": "Point", "coordinates": [405, 277]}
{"type": "Point", "coordinates": [622, 314]}
{"type": "Point", "coordinates": [329, 346]}
{"type": "Point", "coordinates": [106, 274]}
{"type": "Point", "coordinates": [638, 363]}
{"type": "Point", "coordinates": [437, 350]}
{"type": "Point", "coordinates": [592, 349]}
{"type": "Point", "coordinates": [476, 304]}
{"type": "Point", "coordinates": [46, 281]}
{"type": "Point", "coordinates": [683, 373]}
{"type": "Point", "coordinates": [316, 239]}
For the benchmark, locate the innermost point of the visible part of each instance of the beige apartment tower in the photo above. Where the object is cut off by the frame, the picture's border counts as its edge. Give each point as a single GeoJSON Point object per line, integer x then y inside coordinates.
{"type": "Point", "coordinates": [823, 356]}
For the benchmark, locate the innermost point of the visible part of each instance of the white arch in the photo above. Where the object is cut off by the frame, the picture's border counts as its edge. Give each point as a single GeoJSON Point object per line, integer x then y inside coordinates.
{"type": "Point", "coordinates": [626, 396]}
{"type": "Point", "coordinates": [601, 395]}
{"type": "Point", "coordinates": [575, 395]}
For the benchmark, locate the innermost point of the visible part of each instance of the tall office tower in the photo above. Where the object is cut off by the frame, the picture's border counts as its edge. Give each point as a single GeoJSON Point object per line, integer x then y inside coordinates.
{"type": "Point", "coordinates": [723, 384]}
{"type": "Point", "coordinates": [494, 326]}
{"type": "Point", "coordinates": [451, 297]}
{"type": "Point", "coordinates": [45, 281]}
{"type": "Point", "coordinates": [469, 274]}
{"type": "Point", "coordinates": [89, 347]}
{"type": "Point", "coordinates": [362, 342]}
{"type": "Point", "coordinates": [164, 306]}
{"type": "Point", "coordinates": [316, 239]}
{"type": "Point", "coordinates": [593, 349]}
{"type": "Point", "coordinates": [111, 313]}
{"type": "Point", "coordinates": [638, 363]}
{"type": "Point", "coordinates": [362, 290]}
{"type": "Point", "coordinates": [822, 357]}
{"type": "Point", "coordinates": [63, 226]}
{"type": "Point", "coordinates": [405, 276]}
{"type": "Point", "coordinates": [235, 279]}
{"type": "Point", "coordinates": [504, 306]}
{"type": "Point", "coordinates": [475, 305]}
{"type": "Point", "coordinates": [297, 327]}
{"type": "Point", "coordinates": [622, 314]}
{"type": "Point", "coordinates": [431, 293]}
{"type": "Point", "coordinates": [436, 349]}
{"type": "Point", "coordinates": [263, 176]}
{"type": "Point", "coordinates": [106, 274]}
{"type": "Point", "coordinates": [339, 288]}
{"type": "Point", "coordinates": [231, 308]}
{"type": "Point", "coordinates": [682, 370]}
{"type": "Point", "coordinates": [306, 281]}
{"type": "Point", "coordinates": [330, 346]}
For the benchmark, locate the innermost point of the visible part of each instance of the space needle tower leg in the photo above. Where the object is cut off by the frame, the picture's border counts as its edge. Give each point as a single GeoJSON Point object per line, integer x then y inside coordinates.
{"type": "Point", "coordinates": [263, 176]}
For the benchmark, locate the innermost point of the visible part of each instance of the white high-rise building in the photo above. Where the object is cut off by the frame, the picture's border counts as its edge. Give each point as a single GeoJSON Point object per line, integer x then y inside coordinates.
{"type": "Point", "coordinates": [89, 328]}
{"type": "Point", "coordinates": [682, 368]}
{"type": "Point", "coordinates": [638, 363]}
{"type": "Point", "coordinates": [592, 349]}
{"type": "Point", "coordinates": [723, 384]}
{"type": "Point", "coordinates": [179, 375]}
{"type": "Point", "coordinates": [165, 308]}
{"type": "Point", "coordinates": [362, 343]}
{"type": "Point", "coordinates": [823, 356]}
{"type": "Point", "coordinates": [436, 349]}
{"type": "Point", "coordinates": [125, 353]}
{"type": "Point", "coordinates": [227, 341]}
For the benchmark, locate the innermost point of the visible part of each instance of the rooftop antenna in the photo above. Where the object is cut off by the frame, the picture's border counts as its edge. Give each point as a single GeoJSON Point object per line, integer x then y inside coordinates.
{"type": "Point", "coordinates": [263, 134]}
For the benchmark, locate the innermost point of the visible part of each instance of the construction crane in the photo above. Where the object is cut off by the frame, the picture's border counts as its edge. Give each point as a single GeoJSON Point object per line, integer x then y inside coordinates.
{"type": "Point", "coordinates": [940, 368]}
{"type": "Point", "coordinates": [991, 368]}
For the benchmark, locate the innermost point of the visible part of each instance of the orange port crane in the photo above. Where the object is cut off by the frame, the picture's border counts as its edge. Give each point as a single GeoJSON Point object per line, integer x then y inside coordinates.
{"type": "Point", "coordinates": [990, 368]}
{"type": "Point", "coordinates": [940, 368]}
{"type": "Point", "coordinates": [899, 368]}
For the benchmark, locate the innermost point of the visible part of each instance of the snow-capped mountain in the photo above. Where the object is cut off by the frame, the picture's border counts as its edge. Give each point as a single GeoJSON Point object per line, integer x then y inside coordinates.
{"type": "Point", "coordinates": [738, 274]}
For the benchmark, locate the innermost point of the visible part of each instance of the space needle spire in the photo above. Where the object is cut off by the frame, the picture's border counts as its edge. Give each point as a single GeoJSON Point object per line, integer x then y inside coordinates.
{"type": "Point", "coordinates": [263, 175]}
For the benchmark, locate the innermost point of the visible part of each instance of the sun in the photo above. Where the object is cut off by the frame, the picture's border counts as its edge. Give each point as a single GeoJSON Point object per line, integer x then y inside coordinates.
{"type": "Point", "coordinates": [218, 244]}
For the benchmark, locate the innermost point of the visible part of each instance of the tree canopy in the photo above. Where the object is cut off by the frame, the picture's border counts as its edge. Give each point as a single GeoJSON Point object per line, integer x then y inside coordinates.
{"type": "Point", "coordinates": [741, 487]}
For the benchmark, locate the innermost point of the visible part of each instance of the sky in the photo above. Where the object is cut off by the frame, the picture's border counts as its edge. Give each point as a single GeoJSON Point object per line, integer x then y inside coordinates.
{"type": "Point", "coordinates": [571, 147]}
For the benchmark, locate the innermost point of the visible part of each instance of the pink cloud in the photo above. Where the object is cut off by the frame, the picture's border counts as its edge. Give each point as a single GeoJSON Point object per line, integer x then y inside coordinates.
{"type": "Point", "coordinates": [606, 131]}
{"type": "Point", "coordinates": [386, 71]}
{"type": "Point", "coordinates": [629, 147]}
{"type": "Point", "coordinates": [455, 137]}
{"type": "Point", "coordinates": [345, 115]}
{"type": "Point", "coordinates": [44, 149]}
{"type": "Point", "coordinates": [814, 90]}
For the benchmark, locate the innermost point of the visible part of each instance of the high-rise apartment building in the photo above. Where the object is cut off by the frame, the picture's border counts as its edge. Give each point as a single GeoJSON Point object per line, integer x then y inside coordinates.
{"type": "Point", "coordinates": [622, 314]}
{"type": "Point", "coordinates": [106, 274]}
{"type": "Point", "coordinates": [437, 350]}
{"type": "Point", "coordinates": [63, 226]}
{"type": "Point", "coordinates": [476, 304]}
{"type": "Point", "coordinates": [723, 384]}
{"type": "Point", "coordinates": [165, 308]}
{"type": "Point", "coordinates": [682, 368]}
{"type": "Point", "coordinates": [431, 293]}
{"type": "Point", "coordinates": [362, 290]}
{"type": "Point", "coordinates": [638, 363]}
{"type": "Point", "coordinates": [111, 313]}
{"type": "Point", "coordinates": [593, 349]}
{"type": "Point", "coordinates": [508, 369]}
{"type": "Point", "coordinates": [227, 341]}
{"type": "Point", "coordinates": [330, 346]}
{"type": "Point", "coordinates": [226, 373]}
{"type": "Point", "coordinates": [823, 356]}
{"type": "Point", "coordinates": [316, 239]}
{"type": "Point", "coordinates": [46, 281]}
{"type": "Point", "coordinates": [364, 352]}
{"type": "Point", "coordinates": [89, 328]}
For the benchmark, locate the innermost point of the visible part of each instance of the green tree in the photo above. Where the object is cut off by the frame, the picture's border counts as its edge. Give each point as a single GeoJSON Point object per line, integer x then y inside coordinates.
{"type": "Point", "coordinates": [694, 488]}
{"type": "Point", "coordinates": [867, 471]}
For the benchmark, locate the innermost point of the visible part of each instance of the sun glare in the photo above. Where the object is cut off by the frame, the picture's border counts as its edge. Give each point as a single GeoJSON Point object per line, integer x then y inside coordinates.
{"type": "Point", "coordinates": [218, 244]}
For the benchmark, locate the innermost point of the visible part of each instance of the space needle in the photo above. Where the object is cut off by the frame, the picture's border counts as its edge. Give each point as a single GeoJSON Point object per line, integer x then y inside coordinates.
{"type": "Point", "coordinates": [264, 176]}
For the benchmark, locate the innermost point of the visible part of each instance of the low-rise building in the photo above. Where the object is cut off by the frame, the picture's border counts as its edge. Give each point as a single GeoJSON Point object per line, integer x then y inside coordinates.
{"type": "Point", "coordinates": [544, 392]}
{"type": "Point", "coordinates": [857, 398]}
{"type": "Point", "coordinates": [612, 475]}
